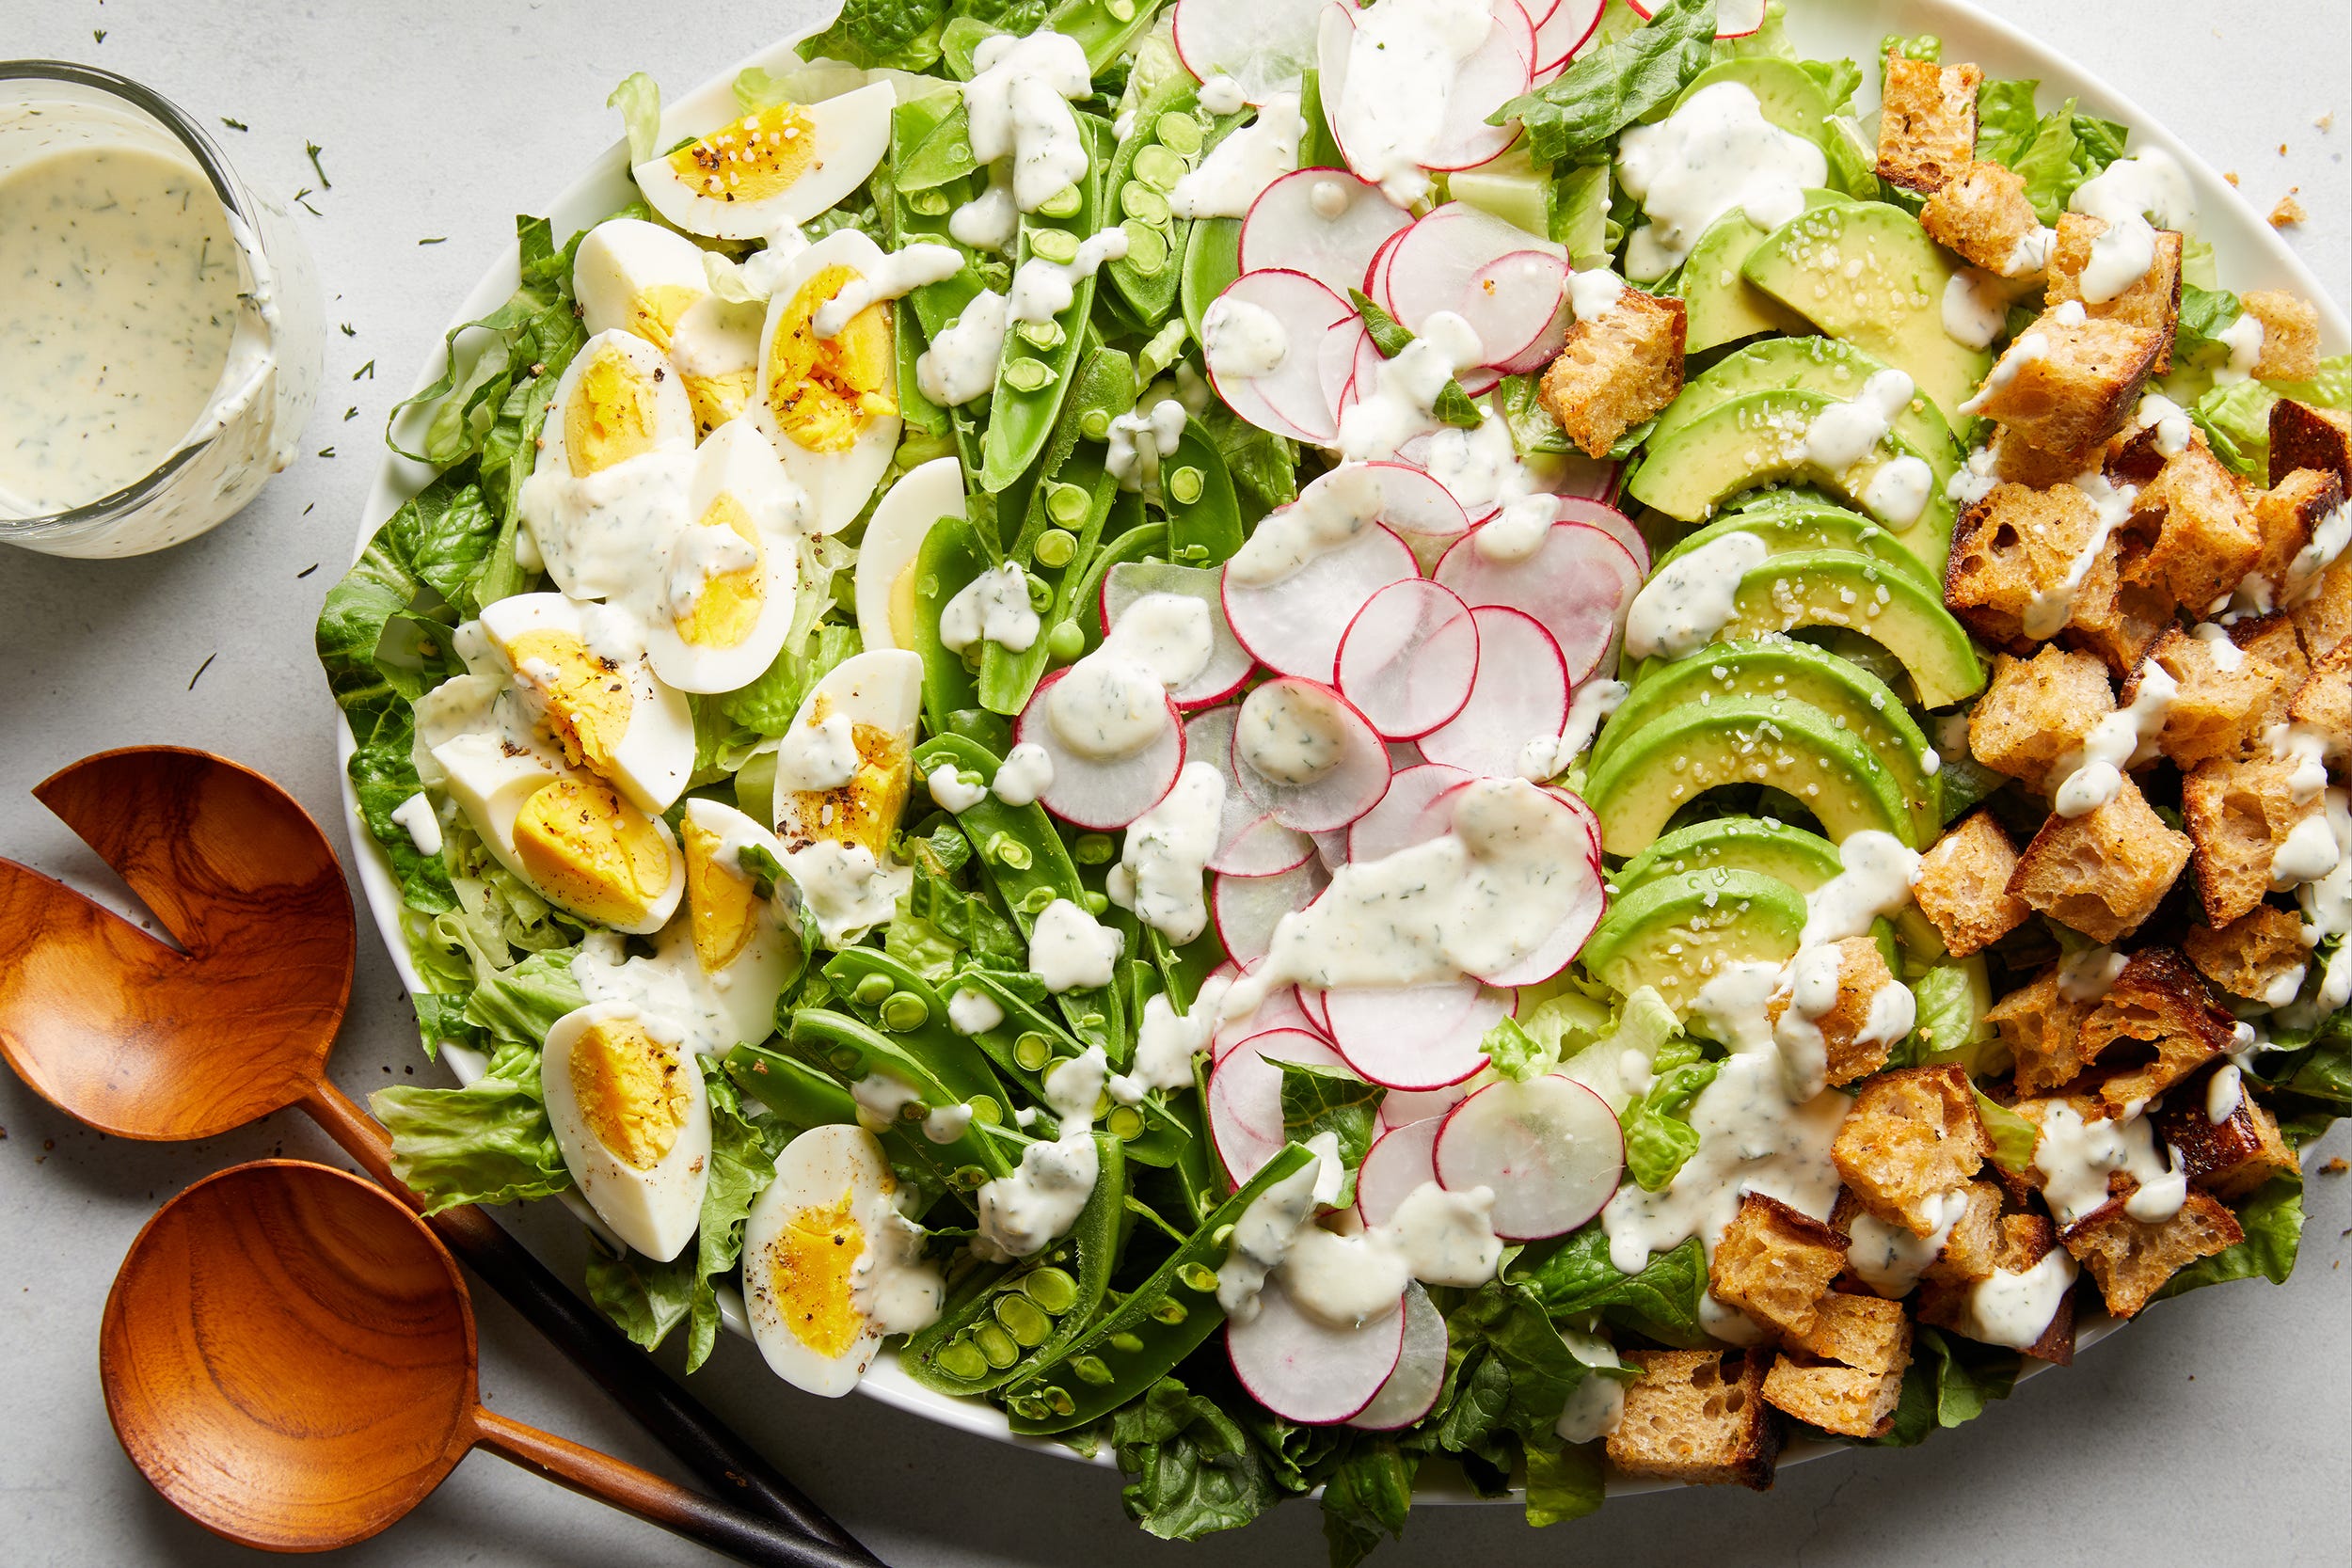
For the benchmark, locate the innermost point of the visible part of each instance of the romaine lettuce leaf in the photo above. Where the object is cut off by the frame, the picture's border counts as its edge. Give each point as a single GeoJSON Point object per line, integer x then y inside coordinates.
{"type": "Point", "coordinates": [1662, 1301]}
{"type": "Point", "coordinates": [1319, 1100]}
{"type": "Point", "coordinates": [903, 34]}
{"type": "Point", "coordinates": [490, 1142]}
{"type": "Point", "coordinates": [2272, 1219]}
{"type": "Point", "coordinates": [639, 98]}
{"type": "Point", "coordinates": [1367, 1497]}
{"type": "Point", "coordinates": [1564, 1480]}
{"type": "Point", "coordinates": [1951, 1381]}
{"type": "Point", "coordinates": [1615, 83]}
{"type": "Point", "coordinates": [1659, 1138]}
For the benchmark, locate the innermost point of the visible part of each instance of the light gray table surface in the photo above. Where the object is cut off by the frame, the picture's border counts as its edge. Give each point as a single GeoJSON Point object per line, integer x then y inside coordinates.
{"type": "Point", "coordinates": [2216, 1430]}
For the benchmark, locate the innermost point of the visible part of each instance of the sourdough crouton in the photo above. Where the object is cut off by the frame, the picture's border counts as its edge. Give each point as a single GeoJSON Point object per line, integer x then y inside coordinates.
{"type": "Point", "coordinates": [2106, 871]}
{"type": "Point", "coordinates": [2010, 554]}
{"type": "Point", "coordinates": [1927, 131]}
{"type": "Point", "coordinates": [2222, 694]}
{"type": "Point", "coordinates": [2042, 1026]}
{"type": "Point", "coordinates": [2025, 1240]}
{"type": "Point", "coordinates": [2160, 1004]}
{"type": "Point", "coordinates": [1972, 1246]}
{"type": "Point", "coordinates": [2238, 814]}
{"type": "Point", "coordinates": [2020, 461]}
{"type": "Point", "coordinates": [2324, 701]}
{"type": "Point", "coordinates": [2153, 302]}
{"type": "Point", "coordinates": [1962, 884]}
{"type": "Point", "coordinates": [1775, 1264]}
{"type": "Point", "coordinates": [1983, 213]}
{"type": "Point", "coordinates": [1697, 1416]}
{"type": "Point", "coordinates": [2289, 334]}
{"type": "Point", "coordinates": [2069, 381]}
{"type": "Point", "coordinates": [1864, 1332]}
{"type": "Point", "coordinates": [1842, 1400]}
{"type": "Point", "coordinates": [1857, 1036]}
{"type": "Point", "coordinates": [2324, 619]}
{"type": "Point", "coordinates": [2259, 956]}
{"type": "Point", "coordinates": [2285, 517]}
{"type": "Point", "coordinates": [2117, 620]}
{"type": "Point", "coordinates": [2231, 1157]}
{"type": "Point", "coordinates": [2273, 636]}
{"type": "Point", "coordinates": [2202, 538]}
{"type": "Point", "coordinates": [1909, 1137]}
{"type": "Point", "coordinates": [2302, 436]}
{"type": "Point", "coordinates": [1616, 370]}
{"type": "Point", "coordinates": [2132, 1258]}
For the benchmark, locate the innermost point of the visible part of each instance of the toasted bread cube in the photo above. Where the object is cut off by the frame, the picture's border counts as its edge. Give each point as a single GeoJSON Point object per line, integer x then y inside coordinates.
{"type": "Point", "coordinates": [2020, 461]}
{"type": "Point", "coordinates": [1698, 1417]}
{"type": "Point", "coordinates": [2118, 620]}
{"type": "Point", "coordinates": [2132, 1258]}
{"type": "Point", "coordinates": [1963, 885]}
{"type": "Point", "coordinates": [2037, 710]}
{"type": "Point", "coordinates": [2289, 334]}
{"type": "Point", "coordinates": [1983, 212]}
{"type": "Point", "coordinates": [2025, 1240]}
{"type": "Point", "coordinates": [2066, 384]}
{"type": "Point", "coordinates": [2302, 436]}
{"type": "Point", "coordinates": [1616, 370]}
{"type": "Point", "coordinates": [2323, 619]}
{"type": "Point", "coordinates": [2153, 302]}
{"type": "Point", "coordinates": [2159, 1003]}
{"type": "Point", "coordinates": [2259, 956]}
{"type": "Point", "coordinates": [2274, 638]}
{"type": "Point", "coordinates": [2287, 514]}
{"type": "Point", "coordinates": [2043, 1027]}
{"type": "Point", "coordinates": [2106, 871]}
{"type": "Point", "coordinates": [2223, 692]}
{"type": "Point", "coordinates": [2010, 558]}
{"type": "Point", "coordinates": [1909, 1137]}
{"type": "Point", "coordinates": [2324, 701]}
{"type": "Point", "coordinates": [1865, 1332]}
{"type": "Point", "coordinates": [1972, 1247]}
{"type": "Point", "coordinates": [2228, 1158]}
{"type": "Point", "coordinates": [1857, 1036]}
{"type": "Point", "coordinates": [2239, 814]}
{"type": "Point", "coordinates": [1842, 1400]}
{"type": "Point", "coordinates": [2205, 539]}
{"type": "Point", "coordinates": [1775, 1264]}
{"type": "Point", "coordinates": [1927, 132]}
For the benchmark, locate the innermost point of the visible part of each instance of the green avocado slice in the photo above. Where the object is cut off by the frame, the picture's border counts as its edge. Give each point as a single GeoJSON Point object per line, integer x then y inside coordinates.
{"type": "Point", "coordinates": [1839, 588]}
{"type": "Point", "coordinates": [1675, 935]}
{"type": "Point", "coordinates": [1797, 525]}
{"type": "Point", "coordinates": [1814, 364]}
{"type": "Point", "coordinates": [1772, 849]}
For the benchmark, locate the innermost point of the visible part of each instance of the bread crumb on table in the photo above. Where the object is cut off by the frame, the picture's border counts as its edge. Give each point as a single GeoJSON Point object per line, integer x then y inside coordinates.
{"type": "Point", "coordinates": [2289, 211]}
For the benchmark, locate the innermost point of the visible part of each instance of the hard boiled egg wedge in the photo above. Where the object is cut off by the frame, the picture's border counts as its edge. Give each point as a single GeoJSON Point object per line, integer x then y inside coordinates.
{"type": "Point", "coordinates": [831, 404]}
{"type": "Point", "coordinates": [571, 835]}
{"type": "Point", "coordinates": [893, 541]}
{"type": "Point", "coordinates": [618, 399]}
{"type": "Point", "coordinates": [635, 276]}
{"type": "Point", "coordinates": [784, 164]}
{"type": "Point", "coordinates": [582, 679]}
{"type": "Point", "coordinates": [730, 583]}
{"type": "Point", "coordinates": [842, 774]}
{"type": "Point", "coordinates": [631, 1115]}
{"type": "Point", "coordinates": [829, 1264]}
{"type": "Point", "coordinates": [716, 350]}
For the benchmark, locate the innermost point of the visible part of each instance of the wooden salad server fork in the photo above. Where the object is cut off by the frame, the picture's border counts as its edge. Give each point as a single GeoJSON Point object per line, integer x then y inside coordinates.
{"type": "Point", "coordinates": [121, 1031]}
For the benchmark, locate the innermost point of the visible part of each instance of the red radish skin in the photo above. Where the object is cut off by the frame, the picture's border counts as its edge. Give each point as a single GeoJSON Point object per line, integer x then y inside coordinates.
{"type": "Point", "coordinates": [1522, 692]}
{"type": "Point", "coordinates": [1409, 659]}
{"type": "Point", "coordinates": [1436, 261]}
{"type": "Point", "coordinates": [1292, 399]}
{"type": "Point", "coordinates": [1246, 1096]}
{"type": "Point", "coordinates": [1286, 228]}
{"type": "Point", "coordinates": [1249, 842]}
{"type": "Point", "coordinates": [1403, 1108]}
{"type": "Point", "coordinates": [1306, 1370]}
{"type": "Point", "coordinates": [1562, 31]}
{"type": "Point", "coordinates": [1518, 305]}
{"type": "Point", "coordinates": [1229, 663]}
{"type": "Point", "coordinates": [1411, 1390]}
{"type": "Point", "coordinates": [1294, 625]}
{"type": "Point", "coordinates": [1282, 1010]}
{"type": "Point", "coordinates": [1398, 1161]}
{"type": "Point", "coordinates": [1550, 1148]}
{"type": "Point", "coordinates": [1398, 822]}
{"type": "Point", "coordinates": [1352, 787]}
{"type": "Point", "coordinates": [1414, 1037]}
{"type": "Point", "coordinates": [1502, 69]}
{"type": "Point", "coordinates": [1594, 513]}
{"type": "Point", "coordinates": [1262, 44]}
{"type": "Point", "coordinates": [1102, 796]}
{"type": "Point", "coordinates": [1247, 909]}
{"type": "Point", "coordinates": [1577, 585]}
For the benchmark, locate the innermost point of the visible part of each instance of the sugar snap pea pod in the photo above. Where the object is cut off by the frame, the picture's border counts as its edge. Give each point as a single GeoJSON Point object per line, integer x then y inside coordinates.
{"type": "Point", "coordinates": [1318, 149]}
{"type": "Point", "coordinates": [1204, 514]}
{"type": "Point", "coordinates": [963, 36]}
{"type": "Point", "coordinates": [1025, 1318]}
{"type": "Point", "coordinates": [915, 407]}
{"type": "Point", "coordinates": [1028, 1043]}
{"type": "Point", "coordinates": [949, 559]}
{"type": "Point", "coordinates": [1161, 147]}
{"type": "Point", "coordinates": [1142, 1340]}
{"type": "Point", "coordinates": [944, 151]}
{"type": "Point", "coordinates": [1103, 28]}
{"type": "Point", "coordinates": [806, 1098]}
{"type": "Point", "coordinates": [1212, 262]}
{"type": "Point", "coordinates": [1034, 373]}
{"type": "Point", "coordinates": [905, 1007]}
{"type": "Point", "coordinates": [852, 1050]}
{"type": "Point", "coordinates": [1184, 1116]}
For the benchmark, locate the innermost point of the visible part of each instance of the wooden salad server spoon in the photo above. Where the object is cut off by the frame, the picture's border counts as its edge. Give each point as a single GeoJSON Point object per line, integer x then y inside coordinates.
{"type": "Point", "coordinates": [288, 1356]}
{"type": "Point", "coordinates": [119, 1031]}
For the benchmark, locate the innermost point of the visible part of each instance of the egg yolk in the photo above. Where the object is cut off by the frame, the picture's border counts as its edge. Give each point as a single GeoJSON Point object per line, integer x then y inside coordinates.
{"type": "Point", "coordinates": [586, 700]}
{"type": "Point", "coordinates": [902, 607]}
{"type": "Point", "coordinates": [726, 609]}
{"type": "Point", "coordinates": [631, 1090]}
{"type": "Point", "coordinates": [653, 312]}
{"type": "Point", "coordinates": [718, 397]}
{"type": "Point", "coordinates": [723, 906]}
{"type": "Point", "coordinates": [824, 391]}
{"type": "Point", "coordinates": [761, 155]}
{"type": "Point", "coordinates": [811, 1263]}
{"type": "Point", "coordinates": [590, 851]}
{"type": "Point", "coordinates": [611, 416]}
{"type": "Point", "coordinates": [868, 808]}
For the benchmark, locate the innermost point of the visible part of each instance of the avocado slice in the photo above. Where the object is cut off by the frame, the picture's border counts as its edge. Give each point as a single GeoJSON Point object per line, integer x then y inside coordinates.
{"type": "Point", "coordinates": [1802, 860]}
{"type": "Point", "coordinates": [1788, 96]}
{"type": "Point", "coordinates": [1839, 588]}
{"type": "Point", "coordinates": [1681, 754]}
{"type": "Point", "coordinates": [1780, 670]}
{"type": "Point", "coordinates": [1797, 525]}
{"type": "Point", "coordinates": [1891, 306]}
{"type": "Point", "coordinates": [1821, 365]}
{"type": "Point", "coordinates": [1758, 439]}
{"type": "Point", "coordinates": [1675, 936]}
{"type": "Point", "coordinates": [1719, 304]}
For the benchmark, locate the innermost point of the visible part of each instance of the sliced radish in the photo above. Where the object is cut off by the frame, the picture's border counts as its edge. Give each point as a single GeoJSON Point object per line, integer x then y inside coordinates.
{"type": "Point", "coordinates": [1584, 814]}
{"type": "Point", "coordinates": [1561, 32]}
{"type": "Point", "coordinates": [1097, 793]}
{"type": "Point", "coordinates": [1323, 222]}
{"type": "Point", "coordinates": [1246, 1096]}
{"type": "Point", "coordinates": [1229, 662]}
{"type": "Point", "coordinates": [1550, 1148]}
{"type": "Point", "coordinates": [1411, 1390]}
{"type": "Point", "coordinates": [1398, 1161]}
{"type": "Point", "coordinates": [1575, 474]}
{"type": "Point", "coordinates": [1293, 624]}
{"type": "Point", "coordinates": [1414, 1037]}
{"type": "Point", "coordinates": [1588, 896]}
{"type": "Point", "coordinates": [1404, 1107]}
{"type": "Point", "coordinates": [1398, 821]}
{"type": "Point", "coordinates": [1437, 261]}
{"type": "Point", "coordinates": [1306, 1370]}
{"type": "Point", "coordinates": [1292, 399]}
{"type": "Point", "coordinates": [1263, 45]}
{"type": "Point", "coordinates": [1578, 584]}
{"type": "Point", "coordinates": [1500, 70]}
{"type": "Point", "coordinates": [1279, 1010]}
{"type": "Point", "coordinates": [1375, 278]}
{"type": "Point", "coordinates": [1522, 692]}
{"type": "Point", "coordinates": [1583, 508]}
{"type": "Point", "coordinates": [1248, 909]}
{"type": "Point", "coordinates": [1250, 843]}
{"type": "Point", "coordinates": [1519, 306]}
{"type": "Point", "coordinates": [1734, 18]}
{"type": "Point", "coordinates": [1414, 504]}
{"type": "Point", "coordinates": [1409, 657]}
{"type": "Point", "coordinates": [1339, 776]}
{"type": "Point", "coordinates": [1346, 352]}
{"type": "Point", "coordinates": [1310, 1003]}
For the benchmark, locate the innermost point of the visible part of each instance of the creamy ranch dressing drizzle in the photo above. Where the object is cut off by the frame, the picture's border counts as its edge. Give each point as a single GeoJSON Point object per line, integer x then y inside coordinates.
{"type": "Point", "coordinates": [950, 792]}
{"type": "Point", "coordinates": [1333, 510]}
{"type": "Point", "coordinates": [1017, 105]}
{"type": "Point", "coordinates": [1026, 1211]}
{"type": "Point", "coordinates": [1402, 66]}
{"type": "Point", "coordinates": [1139, 442]}
{"type": "Point", "coordinates": [2091, 776]}
{"type": "Point", "coordinates": [1292, 733]}
{"type": "Point", "coordinates": [2327, 904]}
{"type": "Point", "coordinates": [818, 755]}
{"type": "Point", "coordinates": [1026, 773]}
{"type": "Point", "coordinates": [1974, 306]}
{"type": "Point", "coordinates": [989, 220]}
{"type": "Point", "coordinates": [1167, 1041]}
{"type": "Point", "coordinates": [1547, 756]}
{"type": "Point", "coordinates": [1158, 876]}
{"type": "Point", "coordinates": [2048, 610]}
{"type": "Point", "coordinates": [899, 272]}
{"type": "Point", "coordinates": [848, 890]}
{"type": "Point", "coordinates": [1043, 289]}
{"type": "Point", "coordinates": [2245, 338]}
{"type": "Point", "coordinates": [415, 818]}
{"type": "Point", "coordinates": [960, 364]}
{"type": "Point", "coordinates": [993, 607]}
{"type": "Point", "coordinates": [1715, 153]}
{"type": "Point", "coordinates": [973, 1012]}
{"type": "Point", "coordinates": [1888, 1258]}
{"type": "Point", "coordinates": [1241, 339]}
{"type": "Point", "coordinates": [1682, 608]}
{"type": "Point", "coordinates": [2125, 195]}
{"type": "Point", "coordinates": [1239, 169]}
{"type": "Point", "coordinates": [2015, 1309]}
{"type": "Point", "coordinates": [2076, 1157]}
{"type": "Point", "coordinates": [1071, 950]}
{"type": "Point", "coordinates": [1114, 701]}
{"type": "Point", "coordinates": [1406, 390]}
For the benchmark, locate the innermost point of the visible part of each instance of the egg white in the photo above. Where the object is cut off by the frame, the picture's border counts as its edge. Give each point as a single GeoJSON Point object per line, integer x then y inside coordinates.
{"type": "Point", "coordinates": [893, 539]}
{"type": "Point", "coordinates": [654, 755]}
{"type": "Point", "coordinates": [673, 415]}
{"type": "Point", "coordinates": [656, 1210]}
{"type": "Point", "coordinates": [851, 131]}
{"type": "Point", "coordinates": [736, 472]}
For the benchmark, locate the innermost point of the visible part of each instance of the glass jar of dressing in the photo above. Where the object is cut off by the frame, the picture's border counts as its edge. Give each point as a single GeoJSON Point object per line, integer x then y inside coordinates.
{"type": "Point", "coordinates": [159, 325]}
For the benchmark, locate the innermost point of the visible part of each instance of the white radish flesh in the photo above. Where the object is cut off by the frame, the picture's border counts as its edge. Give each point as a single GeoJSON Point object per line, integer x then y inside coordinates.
{"type": "Point", "coordinates": [1250, 843]}
{"type": "Point", "coordinates": [1518, 305]}
{"type": "Point", "coordinates": [1247, 909]}
{"type": "Point", "coordinates": [1414, 1037]}
{"type": "Point", "coordinates": [1397, 822]}
{"type": "Point", "coordinates": [1263, 45]}
{"type": "Point", "coordinates": [1338, 795]}
{"type": "Point", "coordinates": [1094, 792]}
{"type": "Point", "coordinates": [1323, 222]}
{"type": "Point", "coordinates": [1398, 1161]}
{"type": "Point", "coordinates": [1229, 662]}
{"type": "Point", "coordinates": [1404, 1107]}
{"type": "Point", "coordinates": [1306, 1370]}
{"type": "Point", "coordinates": [1408, 659]}
{"type": "Point", "coordinates": [1411, 1390]}
{"type": "Point", "coordinates": [1289, 400]}
{"type": "Point", "coordinates": [1435, 263]}
{"type": "Point", "coordinates": [1246, 1096]}
{"type": "Point", "coordinates": [1500, 70]}
{"type": "Point", "coordinates": [1550, 1148]}
{"type": "Point", "coordinates": [1280, 1010]}
{"type": "Point", "coordinates": [1578, 584]}
{"type": "Point", "coordinates": [1585, 509]}
{"type": "Point", "coordinates": [1293, 624]}
{"type": "Point", "coordinates": [1561, 32]}
{"type": "Point", "coordinates": [1522, 692]}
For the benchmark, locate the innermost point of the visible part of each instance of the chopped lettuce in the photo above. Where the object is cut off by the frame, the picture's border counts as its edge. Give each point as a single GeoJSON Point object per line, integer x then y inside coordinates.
{"type": "Point", "coordinates": [1367, 1497]}
{"type": "Point", "coordinates": [490, 1142]}
{"type": "Point", "coordinates": [2013, 1137]}
{"type": "Point", "coordinates": [1662, 1301]}
{"type": "Point", "coordinates": [1951, 1381]}
{"type": "Point", "coordinates": [639, 98]}
{"type": "Point", "coordinates": [1659, 1138]}
{"type": "Point", "coordinates": [903, 34]}
{"type": "Point", "coordinates": [1614, 84]}
{"type": "Point", "coordinates": [2236, 419]}
{"type": "Point", "coordinates": [2272, 1219]}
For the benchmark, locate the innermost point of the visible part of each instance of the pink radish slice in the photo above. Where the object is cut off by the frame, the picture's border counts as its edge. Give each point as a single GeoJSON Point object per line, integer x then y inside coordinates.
{"type": "Point", "coordinates": [1291, 399]}
{"type": "Point", "coordinates": [1414, 1037]}
{"type": "Point", "coordinates": [1346, 355]}
{"type": "Point", "coordinates": [1404, 1107]}
{"type": "Point", "coordinates": [1560, 34]}
{"type": "Point", "coordinates": [1374, 281]}
{"type": "Point", "coordinates": [1363, 376]}
{"type": "Point", "coordinates": [1246, 1096]}
{"type": "Point", "coordinates": [1262, 44]}
{"type": "Point", "coordinates": [1331, 848]}
{"type": "Point", "coordinates": [1408, 659]}
{"type": "Point", "coordinates": [1576, 583]}
{"type": "Point", "coordinates": [1229, 662]}
{"type": "Point", "coordinates": [1247, 909]}
{"type": "Point", "coordinates": [1583, 508]}
{"type": "Point", "coordinates": [1351, 786]}
{"type": "Point", "coordinates": [1310, 1003]}
{"type": "Point", "coordinates": [1437, 260]}
{"type": "Point", "coordinates": [1734, 18]}
{"type": "Point", "coordinates": [1414, 504]}
{"type": "Point", "coordinates": [1522, 692]}
{"type": "Point", "coordinates": [1575, 474]}
{"type": "Point", "coordinates": [1502, 69]}
{"type": "Point", "coordinates": [1518, 305]}
{"type": "Point", "coordinates": [1411, 1390]}
{"type": "Point", "coordinates": [1293, 624]}
{"type": "Point", "coordinates": [1250, 843]}
{"type": "Point", "coordinates": [1398, 1161]}
{"type": "Point", "coordinates": [1279, 1010]}
{"type": "Point", "coordinates": [1584, 812]}
{"type": "Point", "coordinates": [1323, 222]}
{"type": "Point", "coordinates": [1089, 792]}
{"type": "Point", "coordinates": [1397, 822]}
{"type": "Point", "coordinates": [1550, 1148]}
{"type": "Point", "coordinates": [1564, 941]}
{"type": "Point", "coordinates": [1306, 1370]}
